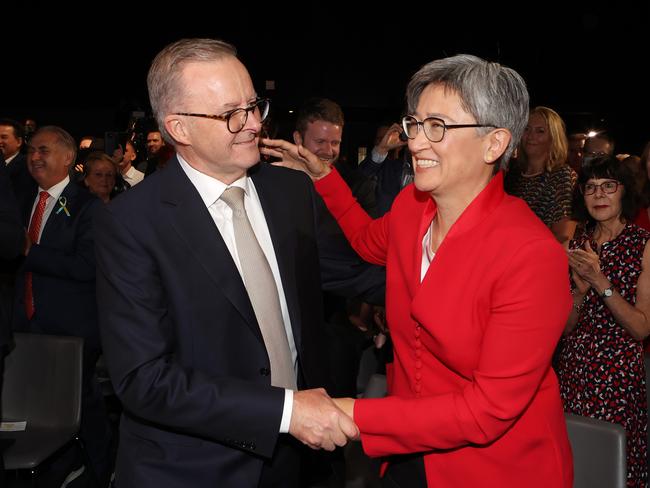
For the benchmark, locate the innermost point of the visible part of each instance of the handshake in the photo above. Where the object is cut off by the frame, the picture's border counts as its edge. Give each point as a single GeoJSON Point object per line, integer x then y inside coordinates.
{"type": "Point", "coordinates": [320, 421]}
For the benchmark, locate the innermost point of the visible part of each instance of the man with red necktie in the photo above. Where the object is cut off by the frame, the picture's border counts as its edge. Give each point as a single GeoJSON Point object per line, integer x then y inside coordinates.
{"type": "Point", "coordinates": [55, 287]}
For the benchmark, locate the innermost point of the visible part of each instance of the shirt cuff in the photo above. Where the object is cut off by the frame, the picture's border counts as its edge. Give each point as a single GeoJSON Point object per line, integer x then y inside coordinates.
{"type": "Point", "coordinates": [287, 410]}
{"type": "Point", "coordinates": [376, 156]}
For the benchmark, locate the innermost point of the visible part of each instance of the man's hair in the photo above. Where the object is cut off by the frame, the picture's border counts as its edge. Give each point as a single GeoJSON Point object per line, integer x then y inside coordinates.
{"type": "Point", "coordinates": [318, 109]}
{"type": "Point", "coordinates": [559, 143]}
{"type": "Point", "coordinates": [493, 94]}
{"type": "Point", "coordinates": [63, 138]}
{"type": "Point", "coordinates": [19, 130]}
{"type": "Point", "coordinates": [603, 136]}
{"type": "Point", "coordinates": [164, 78]}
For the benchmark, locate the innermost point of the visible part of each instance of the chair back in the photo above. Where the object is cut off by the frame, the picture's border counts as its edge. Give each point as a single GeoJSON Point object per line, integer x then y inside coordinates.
{"type": "Point", "coordinates": [598, 452]}
{"type": "Point", "coordinates": [376, 387]}
{"type": "Point", "coordinates": [42, 386]}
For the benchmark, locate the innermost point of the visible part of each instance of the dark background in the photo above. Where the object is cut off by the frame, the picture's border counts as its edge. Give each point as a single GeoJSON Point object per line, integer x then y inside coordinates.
{"type": "Point", "coordinates": [85, 68]}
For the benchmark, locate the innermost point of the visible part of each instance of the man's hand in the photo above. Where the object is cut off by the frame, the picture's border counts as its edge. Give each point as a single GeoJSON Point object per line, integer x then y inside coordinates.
{"type": "Point", "coordinates": [295, 157]}
{"type": "Point", "coordinates": [391, 139]}
{"type": "Point", "coordinates": [118, 155]}
{"type": "Point", "coordinates": [318, 422]}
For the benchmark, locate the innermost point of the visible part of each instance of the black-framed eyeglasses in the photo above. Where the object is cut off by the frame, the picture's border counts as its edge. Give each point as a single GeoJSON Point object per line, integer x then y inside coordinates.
{"type": "Point", "coordinates": [606, 187]}
{"type": "Point", "coordinates": [434, 128]}
{"type": "Point", "coordinates": [236, 119]}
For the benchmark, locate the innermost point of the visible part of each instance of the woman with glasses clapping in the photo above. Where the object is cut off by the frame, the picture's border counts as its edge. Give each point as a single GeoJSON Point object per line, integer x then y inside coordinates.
{"type": "Point", "coordinates": [601, 364]}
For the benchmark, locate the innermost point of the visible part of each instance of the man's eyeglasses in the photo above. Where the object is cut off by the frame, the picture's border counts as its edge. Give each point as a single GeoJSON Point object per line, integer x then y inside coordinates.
{"type": "Point", "coordinates": [607, 187]}
{"type": "Point", "coordinates": [434, 128]}
{"type": "Point", "coordinates": [236, 119]}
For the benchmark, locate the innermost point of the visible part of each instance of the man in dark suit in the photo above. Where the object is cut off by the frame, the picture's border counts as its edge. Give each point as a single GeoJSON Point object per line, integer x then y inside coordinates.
{"type": "Point", "coordinates": [11, 142]}
{"type": "Point", "coordinates": [319, 128]}
{"type": "Point", "coordinates": [12, 243]}
{"type": "Point", "coordinates": [55, 287]}
{"type": "Point", "coordinates": [391, 171]}
{"type": "Point", "coordinates": [209, 398]}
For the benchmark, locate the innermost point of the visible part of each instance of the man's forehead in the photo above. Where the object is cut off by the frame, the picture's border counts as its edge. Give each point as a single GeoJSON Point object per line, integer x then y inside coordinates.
{"type": "Point", "coordinates": [324, 126]}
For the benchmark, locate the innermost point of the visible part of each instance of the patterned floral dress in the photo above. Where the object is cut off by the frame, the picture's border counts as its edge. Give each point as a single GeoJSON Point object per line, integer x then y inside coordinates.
{"type": "Point", "coordinates": [548, 194]}
{"type": "Point", "coordinates": [601, 367]}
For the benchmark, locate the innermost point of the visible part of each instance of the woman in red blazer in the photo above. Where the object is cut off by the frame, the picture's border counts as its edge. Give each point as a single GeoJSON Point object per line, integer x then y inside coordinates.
{"type": "Point", "coordinates": [477, 294]}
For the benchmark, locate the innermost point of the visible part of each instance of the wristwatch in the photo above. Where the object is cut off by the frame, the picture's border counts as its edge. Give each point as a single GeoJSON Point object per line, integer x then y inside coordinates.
{"type": "Point", "coordinates": [607, 292]}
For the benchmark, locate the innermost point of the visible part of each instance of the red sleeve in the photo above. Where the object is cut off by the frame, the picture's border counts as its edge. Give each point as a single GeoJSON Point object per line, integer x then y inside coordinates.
{"type": "Point", "coordinates": [368, 237]}
{"type": "Point", "coordinates": [530, 302]}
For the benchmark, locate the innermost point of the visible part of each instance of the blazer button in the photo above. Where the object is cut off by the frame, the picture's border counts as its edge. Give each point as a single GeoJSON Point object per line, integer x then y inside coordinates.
{"type": "Point", "coordinates": [265, 371]}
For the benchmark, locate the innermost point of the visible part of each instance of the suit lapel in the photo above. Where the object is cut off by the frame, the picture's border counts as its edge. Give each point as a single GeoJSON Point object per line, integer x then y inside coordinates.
{"type": "Point", "coordinates": [274, 197]}
{"type": "Point", "coordinates": [193, 223]}
{"type": "Point", "coordinates": [57, 219]}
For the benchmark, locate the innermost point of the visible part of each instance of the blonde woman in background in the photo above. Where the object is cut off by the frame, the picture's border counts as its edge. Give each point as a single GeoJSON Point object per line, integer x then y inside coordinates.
{"type": "Point", "coordinates": [541, 175]}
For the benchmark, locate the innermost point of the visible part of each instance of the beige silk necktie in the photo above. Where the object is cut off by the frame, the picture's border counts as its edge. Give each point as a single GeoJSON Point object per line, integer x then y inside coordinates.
{"type": "Point", "coordinates": [262, 291]}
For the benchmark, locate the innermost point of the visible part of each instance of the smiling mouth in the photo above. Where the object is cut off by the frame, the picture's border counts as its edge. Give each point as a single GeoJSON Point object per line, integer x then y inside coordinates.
{"type": "Point", "coordinates": [427, 163]}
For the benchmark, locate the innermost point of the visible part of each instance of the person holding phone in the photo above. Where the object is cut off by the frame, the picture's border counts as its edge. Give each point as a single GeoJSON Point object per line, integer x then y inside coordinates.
{"type": "Point", "coordinates": [389, 163]}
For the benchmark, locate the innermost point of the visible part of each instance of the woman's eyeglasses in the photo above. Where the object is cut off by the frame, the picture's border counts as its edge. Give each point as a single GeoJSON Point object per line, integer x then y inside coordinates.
{"type": "Point", "coordinates": [606, 187]}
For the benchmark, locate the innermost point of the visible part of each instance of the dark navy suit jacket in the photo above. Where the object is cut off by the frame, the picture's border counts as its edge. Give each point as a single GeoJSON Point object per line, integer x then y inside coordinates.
{"type": "Point", "coordinates": [12, 240]}
{"type": "Point", "coordinates": [21, 180]}
{"type": "Point", "coordinates": [182, 344]}
{"type": "Point", "coordinates": [389, 180]}
{"type": "Point", "coordinates": [63, 270]}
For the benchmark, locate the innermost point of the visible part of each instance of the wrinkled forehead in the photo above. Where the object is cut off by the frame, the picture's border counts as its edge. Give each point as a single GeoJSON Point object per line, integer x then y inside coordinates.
{"type": "Point", "coordinates": [224, 82]}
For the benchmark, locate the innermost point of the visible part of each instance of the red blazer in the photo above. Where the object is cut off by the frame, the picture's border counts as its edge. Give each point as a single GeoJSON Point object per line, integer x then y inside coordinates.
{"type": "Point", "coordinates": [471, 385]}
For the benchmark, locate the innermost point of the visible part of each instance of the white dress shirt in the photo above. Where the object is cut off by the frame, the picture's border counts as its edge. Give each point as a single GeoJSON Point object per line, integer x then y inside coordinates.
{"type": "Point", "coordinates": [11, 158]}
{"type": "Point", "coordinates": [210, 190]}
{"type": "Point", "coordinates": [133, 176]}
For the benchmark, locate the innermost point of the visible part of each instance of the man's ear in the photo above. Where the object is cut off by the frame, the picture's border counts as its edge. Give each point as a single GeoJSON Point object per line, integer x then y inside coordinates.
{"type": "Point", "coordinates": [297, 138]}
{"type": "Point", "coordinates": [176, 127]}
{"type": "Point", "coordinates": [497, 143]}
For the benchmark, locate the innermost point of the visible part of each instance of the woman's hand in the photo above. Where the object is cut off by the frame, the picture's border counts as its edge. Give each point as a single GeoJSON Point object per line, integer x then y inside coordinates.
{"type": "Point", "coordinates": [295, 157]}
{"type": "Point", "coordinates": [345, 404]}
{"type": "Point", "coordinates": [582, 286]}
{"type": "Point", "coordinates": [585, 266]}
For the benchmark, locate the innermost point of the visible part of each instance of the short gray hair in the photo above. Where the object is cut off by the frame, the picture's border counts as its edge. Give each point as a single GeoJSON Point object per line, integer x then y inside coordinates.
{"type": "Point", "coordinates": [63, 138]}
{"type": "Point", "coordinates": [164, 78]}
{"type": "Point", "coordinates": [493, 94]}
